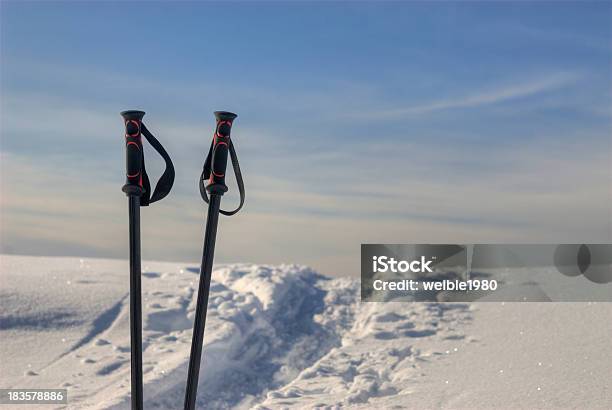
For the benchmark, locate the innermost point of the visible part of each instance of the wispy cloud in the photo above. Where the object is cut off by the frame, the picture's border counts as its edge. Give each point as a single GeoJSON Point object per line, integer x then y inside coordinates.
{"type": "Point", "coordinates": [483, 98]}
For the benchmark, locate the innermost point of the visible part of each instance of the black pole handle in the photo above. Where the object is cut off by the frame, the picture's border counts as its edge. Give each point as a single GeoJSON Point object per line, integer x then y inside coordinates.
{"type": "Point", "coordinates": [219, 152]}
{"type": "Point", "coordinates": [133, 152]}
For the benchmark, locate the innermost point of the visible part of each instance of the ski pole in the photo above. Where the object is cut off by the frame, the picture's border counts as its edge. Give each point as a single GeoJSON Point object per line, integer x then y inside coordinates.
{"type": "Point", "coordinates": [212, 182]}
{"type": "Point", "coordinates": [137, 188]}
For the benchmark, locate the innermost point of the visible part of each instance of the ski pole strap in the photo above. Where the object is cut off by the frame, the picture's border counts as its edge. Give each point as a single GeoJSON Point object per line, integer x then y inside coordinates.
{"type": "Point", "coordinates": [165, 182]}
{"type": "Point", "coordinates": [137, 179]}
{"type": "Point", "coordinates": [212, 179]}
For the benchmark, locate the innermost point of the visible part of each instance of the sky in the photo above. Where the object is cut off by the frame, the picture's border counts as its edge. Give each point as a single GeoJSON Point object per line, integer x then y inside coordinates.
{"type": "Point", "coordinates": [399, 122]}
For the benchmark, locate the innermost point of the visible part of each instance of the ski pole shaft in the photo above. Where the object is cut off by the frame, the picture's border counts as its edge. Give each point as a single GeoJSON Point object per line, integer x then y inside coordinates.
{"type": "Point", "coordinates": [133, 189]}
{"type": "Point", "coordinates": [202, 303]}
{"type": "Point", "coordinates": [216, 188]}
{"type": "Point", "coordinates": [135, 304]}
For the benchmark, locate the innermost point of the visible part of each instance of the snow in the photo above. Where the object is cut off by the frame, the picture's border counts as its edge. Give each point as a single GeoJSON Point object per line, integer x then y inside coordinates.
{"type": "Point", "coordinates": [288, 337]}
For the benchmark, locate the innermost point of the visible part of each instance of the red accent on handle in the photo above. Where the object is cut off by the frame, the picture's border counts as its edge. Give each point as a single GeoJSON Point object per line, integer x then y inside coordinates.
{"type": "Point", "coordinates": [135, 140]}
{"type": "Point", "coordinates": [220, 149]}
{"type": "Point", "coordinates": [137, 133]}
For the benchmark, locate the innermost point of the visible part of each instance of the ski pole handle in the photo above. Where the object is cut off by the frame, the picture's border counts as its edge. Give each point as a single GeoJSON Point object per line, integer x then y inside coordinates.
{"type": "Point", "coordinates": [220, 151]}
{"type": "Point", "coordinates": [133, 152]}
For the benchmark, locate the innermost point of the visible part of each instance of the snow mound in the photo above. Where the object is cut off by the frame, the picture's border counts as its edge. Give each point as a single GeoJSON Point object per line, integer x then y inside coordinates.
{"type": "Point", "coordinates": [265, 325]}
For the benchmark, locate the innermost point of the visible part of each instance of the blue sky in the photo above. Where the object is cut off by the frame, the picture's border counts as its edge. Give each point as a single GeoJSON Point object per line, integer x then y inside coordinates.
{"type": "Point", "coordinates": [358, 122]}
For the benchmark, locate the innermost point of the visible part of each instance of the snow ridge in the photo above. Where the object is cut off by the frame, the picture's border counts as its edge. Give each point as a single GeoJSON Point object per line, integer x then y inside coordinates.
{"type": "Point", "coordinates": [265, 325]}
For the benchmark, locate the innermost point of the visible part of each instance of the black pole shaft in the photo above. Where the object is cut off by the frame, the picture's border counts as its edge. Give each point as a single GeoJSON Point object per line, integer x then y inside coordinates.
{"type": "Point", "coordinates": [135, 303]}
{"type": "Point", "coordinates": [202, 303]}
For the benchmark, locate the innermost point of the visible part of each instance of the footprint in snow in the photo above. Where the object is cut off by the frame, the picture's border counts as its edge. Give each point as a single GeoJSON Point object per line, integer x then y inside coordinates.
{"type": "Point", "coordinates": [109, 368]}
{"type": "Point", "coordinates": [385, 335]}
{"type": "Point", "coordinates": [389, 317]}
{"type": "Point", "coordinates": [419, 333]}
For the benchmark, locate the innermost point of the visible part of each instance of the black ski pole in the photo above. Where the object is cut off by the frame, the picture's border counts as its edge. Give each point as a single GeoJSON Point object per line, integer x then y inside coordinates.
{"type": "Point", "coordinates": [137, 188]}
{"type": "Point", "coordinates": [133, 189]}
{"type": "Point", "coordinates": [212, 182]}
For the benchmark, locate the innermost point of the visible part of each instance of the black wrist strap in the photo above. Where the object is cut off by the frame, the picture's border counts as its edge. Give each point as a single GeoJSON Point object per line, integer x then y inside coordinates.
{"type": "Point", "coordinates": [165, 182]}
{"type": "Point", "coordinates": [206, 175]}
